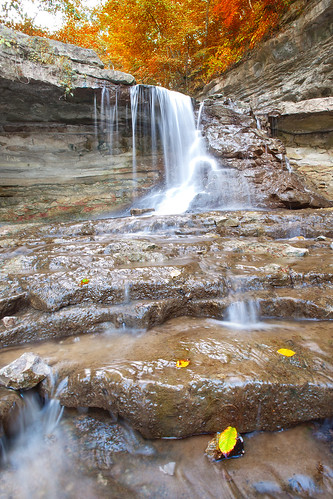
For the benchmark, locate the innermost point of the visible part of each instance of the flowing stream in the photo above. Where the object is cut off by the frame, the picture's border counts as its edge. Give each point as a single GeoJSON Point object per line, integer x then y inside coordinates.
{"type": "Point", "coordinates": [118, 303]}
{"type": "Point", "coordinates": [89, 453]}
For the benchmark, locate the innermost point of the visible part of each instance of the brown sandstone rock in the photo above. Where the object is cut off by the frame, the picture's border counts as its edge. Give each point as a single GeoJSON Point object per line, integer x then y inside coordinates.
{"type": "Point", "coordinates": [10, 405]}
{"type": "Point", "coordinates": [24, 373]}
{"type": "Point", "coordinates": [234, 378]}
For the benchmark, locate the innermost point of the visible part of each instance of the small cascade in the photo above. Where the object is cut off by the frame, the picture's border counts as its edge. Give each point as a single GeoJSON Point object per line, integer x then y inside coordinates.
{"type": "Point", "coordinates": [42, 460]}
{"type": "Point", "coordinates": [287, 163]}
{"type": "Point", "coordinates": [36, 452]}
{"type": "Point", "coordinates": [200, 114]}
{"type": "Point", "coordinates": [106, 121]}
{"type": "Point", "coordinates": [243, 314]}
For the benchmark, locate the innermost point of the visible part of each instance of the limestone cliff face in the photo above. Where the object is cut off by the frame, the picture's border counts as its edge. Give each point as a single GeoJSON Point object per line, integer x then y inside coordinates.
{"type": "Point", "coordinates": [55, 152]}
{"type": "Point", "coordinates": [289, 79]}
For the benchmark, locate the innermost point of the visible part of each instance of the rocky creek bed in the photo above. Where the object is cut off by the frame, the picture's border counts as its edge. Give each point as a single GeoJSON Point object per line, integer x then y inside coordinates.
{"type": "Point", "coordinates": [111, 305]}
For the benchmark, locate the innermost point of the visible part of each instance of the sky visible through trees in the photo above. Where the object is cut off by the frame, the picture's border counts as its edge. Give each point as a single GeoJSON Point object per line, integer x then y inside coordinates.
{"type": "Point", "coordinates": [180, 44]}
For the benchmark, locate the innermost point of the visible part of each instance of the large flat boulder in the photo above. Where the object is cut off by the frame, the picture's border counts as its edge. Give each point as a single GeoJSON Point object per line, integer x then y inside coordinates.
{"type": "Point", "coordinates": [235, 376]}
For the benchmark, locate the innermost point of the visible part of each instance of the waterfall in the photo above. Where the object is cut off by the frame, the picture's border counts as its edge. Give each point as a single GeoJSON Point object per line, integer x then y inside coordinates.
{"type": "Point", "coordinates": [34, 461]}
{"type": "Point", "coordinates": [243, 312]}
{"type": "Point", "coordinates": [174, 135]}
{"type": "Point", "coordinates": [165, 134]}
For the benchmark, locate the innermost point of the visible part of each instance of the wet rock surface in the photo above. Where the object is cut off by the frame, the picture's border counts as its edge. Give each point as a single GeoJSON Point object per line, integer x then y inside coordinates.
{"type": "Point", "coordinates": [262, 470]}
{"type": "Point", "coordinates": [24, 373]}
{"type": "Point", "coordinates": [62, 279]}
{"type": "Point", "coordinates": [118, 301]}
{"type": "Point", "coordinates": [235, 377]}
{"type": "Point", "coordinates": [99, 459]}
{"type": "Point", "coordinates": [95, 282]}
{"type": "Point", "coordinates": [191, 474]}
{"type": "Point", "coordinates": [10, 405]}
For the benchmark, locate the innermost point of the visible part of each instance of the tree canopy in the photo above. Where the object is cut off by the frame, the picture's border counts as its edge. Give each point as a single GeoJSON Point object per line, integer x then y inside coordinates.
{"type": "Point", "coordinates": [179, 44]}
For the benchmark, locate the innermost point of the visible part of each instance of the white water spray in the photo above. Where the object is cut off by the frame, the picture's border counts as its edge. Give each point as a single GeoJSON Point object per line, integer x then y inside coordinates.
{"type": "Point", "coordinates": [173, 130]}
{"type": "Point", "coordinates": [192, 178]}
{"type": "Point", "coordinates": [243, 313]}
{"type": "Point", "coordinates": [200, 114]}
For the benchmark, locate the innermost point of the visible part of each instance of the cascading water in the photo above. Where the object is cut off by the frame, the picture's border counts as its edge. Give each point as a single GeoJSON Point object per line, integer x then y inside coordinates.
{"type": "Point", "coordinates": [106, 121]}
{"type": "Point", "coordinates": [200, 114]}
{"type": "Point", "coordinates": [243, 313]}
{"type": "Point", "coordinates": [192, 179]}
{"type": "Point", "coordinates": [167, 140]}
{"type": "Point", "coordinates": [34, 463]}
{"type": "Point", "coordinates": [173, 130]}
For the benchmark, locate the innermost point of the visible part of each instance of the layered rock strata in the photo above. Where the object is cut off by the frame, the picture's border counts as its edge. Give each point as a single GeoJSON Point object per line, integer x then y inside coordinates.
{"type": "Point", "coordinates": [288, 79]}
{"type": "Point", "coordinates": [241, 142]}
{"type": "Point", "coordinates": [66, 140]}
{"type": "Point", "coordinates": [95, 282]}
{"type": "Point", "coordinates": [56, 156]}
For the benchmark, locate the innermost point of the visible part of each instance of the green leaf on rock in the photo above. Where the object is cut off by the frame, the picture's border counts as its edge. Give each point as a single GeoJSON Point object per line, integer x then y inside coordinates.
{"type": "Point", "coordinates": [84, 281]}
{"type": "Point", "coordinates": [227, 440]}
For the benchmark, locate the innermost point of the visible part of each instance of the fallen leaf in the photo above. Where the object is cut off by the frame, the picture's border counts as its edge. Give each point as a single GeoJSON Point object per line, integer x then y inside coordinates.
{"type": "Point", "coordinates": [182, 363]}
{"type": "Point", "coordinates": [175, 273]}
{"type": "Point", "coordinates": [227, 440]}
{"type": "Point", "coordinates": [84, 281]}
{"type": "Point", "coordinates": [286, 352]}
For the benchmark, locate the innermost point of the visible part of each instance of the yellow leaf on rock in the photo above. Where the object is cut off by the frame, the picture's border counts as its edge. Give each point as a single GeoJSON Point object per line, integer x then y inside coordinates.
{"type": "Point", "coordinates": [227, 440]}
{"type": "Point", "coordinates": [175, 273]}
{"type": "Point", "coordinates": [286, 352]}
{"type": "Point", "coordinates": [182, 363]}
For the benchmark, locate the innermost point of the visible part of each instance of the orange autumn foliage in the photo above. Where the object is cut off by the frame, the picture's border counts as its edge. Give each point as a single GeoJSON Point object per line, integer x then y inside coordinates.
{"type": "Point", "coordinates": [179, 44]}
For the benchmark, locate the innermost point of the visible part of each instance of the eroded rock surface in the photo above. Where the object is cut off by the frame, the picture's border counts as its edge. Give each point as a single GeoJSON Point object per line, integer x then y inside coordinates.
{"type": "Point", "coordinates": [287, 81]}
{"type": "Point", "coordinates": [56, 156]}
{"type": "Point", "coordinates": [63, 155]}
{"type": "Point", "coordinates": [110, 277]}
{"type": "Point", "coordinates": [24, 373]}
{"type": "Point", "coordinates": [294, 65]}
{"type": "Point", "coordinates": [235, 375]}
{"type": "Point", "coordinates": [10, 405]}
{"type": "Point", "coordinates": [57, 279]}
{"type": "Point", "coordinates": [233, 136]}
